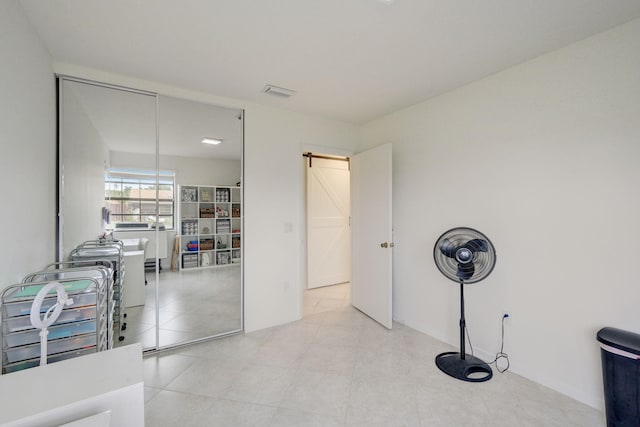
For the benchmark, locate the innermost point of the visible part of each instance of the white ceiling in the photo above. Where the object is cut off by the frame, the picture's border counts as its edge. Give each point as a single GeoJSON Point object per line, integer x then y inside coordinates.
{"type": "Point", "coordinates": [126, 123]}
{"type": "Point", "coordinates": [183, 124]}
{"type": "Point", "coordinates": [353, 60]}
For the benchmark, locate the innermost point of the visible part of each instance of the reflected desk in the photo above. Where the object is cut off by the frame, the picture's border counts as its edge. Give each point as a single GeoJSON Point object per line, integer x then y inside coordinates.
{"type": "Point", "coordinates": [146, 233]}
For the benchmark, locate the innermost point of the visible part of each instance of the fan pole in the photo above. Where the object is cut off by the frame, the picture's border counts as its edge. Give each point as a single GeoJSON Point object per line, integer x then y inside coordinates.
{"type": "Point", "coordinates": [463, 324]}
{"type": "Point", "coordinates": [457, 364]}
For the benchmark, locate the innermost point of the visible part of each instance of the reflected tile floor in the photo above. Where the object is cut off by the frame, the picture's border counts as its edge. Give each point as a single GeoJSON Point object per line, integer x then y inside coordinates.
{"type": "Point", "coordinates": [336, 367]}
{"type": "Point", "coordinates": [192, 304]}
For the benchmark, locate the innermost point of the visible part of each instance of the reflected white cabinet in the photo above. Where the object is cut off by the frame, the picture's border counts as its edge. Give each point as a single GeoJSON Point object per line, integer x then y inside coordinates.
{"type": "Point", "coordinates": [134, 279]}
{"type": "Point", "coordinates": [210, 226]}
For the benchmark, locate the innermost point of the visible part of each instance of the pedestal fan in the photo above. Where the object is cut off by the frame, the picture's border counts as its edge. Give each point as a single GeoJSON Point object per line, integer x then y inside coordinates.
{"type": "Point", "coordinates": [465, 256]}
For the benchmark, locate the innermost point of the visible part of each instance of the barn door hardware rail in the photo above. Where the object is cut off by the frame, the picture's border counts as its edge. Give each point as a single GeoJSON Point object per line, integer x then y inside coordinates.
{"type": "Point", "coordinates": [310, 156]}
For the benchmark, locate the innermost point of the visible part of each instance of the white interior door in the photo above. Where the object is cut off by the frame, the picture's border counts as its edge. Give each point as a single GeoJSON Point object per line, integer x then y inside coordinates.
{"type": "Point", "coordinates": [327, 222]}
{"type": "Point", "coordinates": [371, 234]}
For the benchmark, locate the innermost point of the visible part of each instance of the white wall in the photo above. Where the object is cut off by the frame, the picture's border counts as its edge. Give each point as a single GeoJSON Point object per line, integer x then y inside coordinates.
{"type": "Point", "coordinates": [543, 158]}
{"type": "Point", "coordinates": [189, 170]}
{"type": "Point", "coordinates": [85, 159]}
{"type": "Point", "coordinates": [273, 256]}
{"type": "Point", "coordinates": [28, 142]}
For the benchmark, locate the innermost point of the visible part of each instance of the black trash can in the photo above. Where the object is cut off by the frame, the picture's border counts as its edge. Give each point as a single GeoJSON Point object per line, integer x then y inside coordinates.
{"type": "Point", "coordinates": [620, 351]}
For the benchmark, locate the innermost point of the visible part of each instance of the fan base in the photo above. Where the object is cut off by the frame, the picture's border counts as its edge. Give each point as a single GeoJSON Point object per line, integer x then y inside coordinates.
{"type": "Point", "coordinates": [469, 369]}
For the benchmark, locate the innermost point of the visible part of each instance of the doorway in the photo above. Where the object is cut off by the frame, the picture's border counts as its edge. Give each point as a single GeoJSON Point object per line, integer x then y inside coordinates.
{"type": "Point", "coordinates": [327, 230]}
{"type": "Point", "coordinates": [370, 255]}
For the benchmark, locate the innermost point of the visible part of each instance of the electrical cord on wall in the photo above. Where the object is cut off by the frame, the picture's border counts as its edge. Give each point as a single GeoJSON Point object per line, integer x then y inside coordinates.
{"type": "Point", "coordinates": [500, 355]}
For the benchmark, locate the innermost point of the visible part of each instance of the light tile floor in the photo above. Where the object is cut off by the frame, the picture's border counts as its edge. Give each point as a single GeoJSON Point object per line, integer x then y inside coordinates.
{"type": "Point", "coordinates": [336, 367]}
{"type": "Point", "coordinates": [193, 304]}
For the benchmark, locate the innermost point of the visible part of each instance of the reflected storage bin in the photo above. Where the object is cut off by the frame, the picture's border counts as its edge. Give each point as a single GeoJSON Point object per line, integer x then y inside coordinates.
{"type": "Point", "coordinates": [189, 260]}
{"type": "Point", "coordinates": [207, 212]}
{"type": "Point", "coordinates": [206, 244]}
{"type": "Point", "coordinates": [206, 194]}
{"type": "Point", "coordinates": [223, 258]}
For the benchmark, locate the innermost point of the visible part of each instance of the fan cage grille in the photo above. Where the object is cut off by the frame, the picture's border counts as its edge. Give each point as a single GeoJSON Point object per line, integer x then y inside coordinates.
{"type": "Point", "coordinates": [484, 262]}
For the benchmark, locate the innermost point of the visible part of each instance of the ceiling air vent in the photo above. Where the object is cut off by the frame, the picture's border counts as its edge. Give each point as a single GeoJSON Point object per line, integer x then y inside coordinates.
{"type": "Point", "coordinates": [278, 91]}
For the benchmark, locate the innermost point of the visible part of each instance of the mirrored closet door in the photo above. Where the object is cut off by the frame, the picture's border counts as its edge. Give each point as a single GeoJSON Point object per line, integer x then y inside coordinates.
{"type": "Point", "coordinates": [138, 184]}
{"type": "Point", "coordinates": [200, 289]}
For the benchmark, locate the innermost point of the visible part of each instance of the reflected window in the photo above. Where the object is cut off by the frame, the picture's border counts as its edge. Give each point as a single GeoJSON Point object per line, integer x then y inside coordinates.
{"type": "Point", "coordinates": [130, 197]}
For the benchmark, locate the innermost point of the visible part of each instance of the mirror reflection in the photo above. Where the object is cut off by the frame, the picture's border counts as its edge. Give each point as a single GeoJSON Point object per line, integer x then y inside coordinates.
{"type": "Point", "coordinates": [175, 206]}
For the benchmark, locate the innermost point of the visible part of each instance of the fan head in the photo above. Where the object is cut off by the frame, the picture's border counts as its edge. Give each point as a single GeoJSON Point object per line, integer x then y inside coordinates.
{"type": "Point", "coordinates": [464, 255]}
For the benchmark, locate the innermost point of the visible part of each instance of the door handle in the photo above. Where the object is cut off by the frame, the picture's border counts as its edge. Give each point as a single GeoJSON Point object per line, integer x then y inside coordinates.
{"type": "Point", "coordinates": [387, 245]}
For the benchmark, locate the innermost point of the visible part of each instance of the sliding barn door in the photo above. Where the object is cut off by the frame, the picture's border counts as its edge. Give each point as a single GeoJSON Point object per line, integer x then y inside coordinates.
{"type": "Point", "coordinates": [328, 239]}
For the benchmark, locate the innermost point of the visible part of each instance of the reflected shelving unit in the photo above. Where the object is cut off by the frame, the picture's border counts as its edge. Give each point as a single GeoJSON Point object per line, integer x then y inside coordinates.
{"type": "Point", "coordinates": [210, 226]}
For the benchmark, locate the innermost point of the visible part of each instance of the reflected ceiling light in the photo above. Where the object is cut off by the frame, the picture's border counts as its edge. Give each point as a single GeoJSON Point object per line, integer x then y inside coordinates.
{"type": "Point", "coordinates": [211, 141]}
{"type": "Point", "coordinates": [278, 91]}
